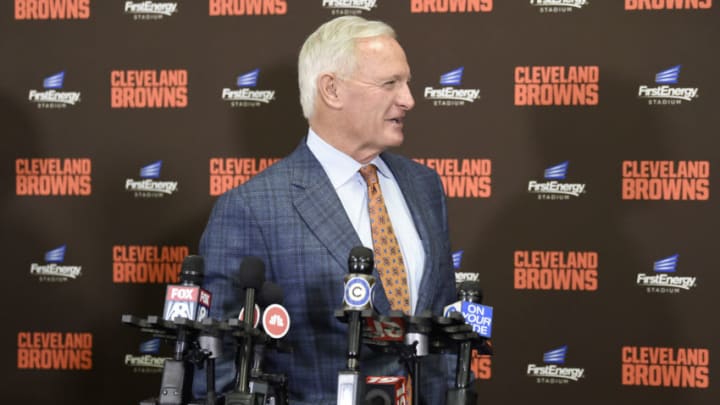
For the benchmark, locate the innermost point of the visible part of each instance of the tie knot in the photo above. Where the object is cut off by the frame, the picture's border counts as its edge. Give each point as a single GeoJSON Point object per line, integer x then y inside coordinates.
{"type": "Point", "coordinates": [369, 173]}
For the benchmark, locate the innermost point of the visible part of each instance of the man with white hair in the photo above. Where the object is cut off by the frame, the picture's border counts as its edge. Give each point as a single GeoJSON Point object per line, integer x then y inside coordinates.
{"type": "Point", "coordinates": [304, 214]}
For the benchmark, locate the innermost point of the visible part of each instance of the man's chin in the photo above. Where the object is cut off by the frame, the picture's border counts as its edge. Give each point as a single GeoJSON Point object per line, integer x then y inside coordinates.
{"type": "Point", "coordinates": [395, 139]}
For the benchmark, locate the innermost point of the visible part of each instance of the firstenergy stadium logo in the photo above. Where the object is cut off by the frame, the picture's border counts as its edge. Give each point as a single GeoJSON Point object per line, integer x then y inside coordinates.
{"type": "Point", "coordinates": [147, 264]}
{"type": "Point", "coordinates": [553, 372]}
{"type": "Point", "coordinates": [664, 281]}
{"type": "Point", "coordinates": [52, 96]}
{"type": "Point", "coordinates": [245, 95]}
{"type": "Point", "coordinates": [449, 96]}
{"type": "Point", "coordinates": [247, 7]}
{"type": "Point", "coordinates": [54, 350]}
{"type": "Point", "coordinates": [558, 6]}
{"type": "Point", "coordinates": [665, 94]}
{"type": "Point", "coordinates": [676, 367]}
{"type": "Point", "coordinates": [148, 187]}
{"type": "Point", "coordinates": [146, 362]}
{"type": "Point", "coordinates": [667, 4]}
{"type": "Point", "coordinates": [461, 276]}
{"type": "Point", "coordinates": [557, 85]}
{"type": "Point", "coordinates": [228, 173]}
{"type": "Point", "coordinates": [555, 270]}
{"type": "Point", "coordinates": [450, 6]}
{"type": "Point", "coordinates": [150, 10]}
{"type": "Point", "coordinates": [553, 189]}
{"type": "Point", "coordinates": [52, 9]}
{"type": "Point", "coordinates": [666, 180]}
{"type": "Point", "coordinates": [349, 7]}
{"type": "Point", "coordinates": [462, 178]}
{"type": "Point", "coordinates": [54, 271]}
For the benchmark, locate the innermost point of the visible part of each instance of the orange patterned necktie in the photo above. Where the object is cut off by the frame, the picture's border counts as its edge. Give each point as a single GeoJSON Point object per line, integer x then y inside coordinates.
{"type": "Point", "coordinates": [388, 257]}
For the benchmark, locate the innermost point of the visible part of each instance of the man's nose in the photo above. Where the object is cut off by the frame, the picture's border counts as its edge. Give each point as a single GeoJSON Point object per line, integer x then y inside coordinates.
{"type": "Point", "coordinates": [405, 98]}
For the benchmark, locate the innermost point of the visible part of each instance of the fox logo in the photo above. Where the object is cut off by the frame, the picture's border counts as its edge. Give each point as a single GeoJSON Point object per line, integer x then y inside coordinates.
{"type": "Point", "coordinates": [179, 310]}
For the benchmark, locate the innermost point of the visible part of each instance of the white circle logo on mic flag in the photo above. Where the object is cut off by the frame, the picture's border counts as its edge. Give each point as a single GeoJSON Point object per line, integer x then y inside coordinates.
{"type": "Point", "coordinates": [276, 321]}
{"type": "Point", "coordinates": [357, 292]}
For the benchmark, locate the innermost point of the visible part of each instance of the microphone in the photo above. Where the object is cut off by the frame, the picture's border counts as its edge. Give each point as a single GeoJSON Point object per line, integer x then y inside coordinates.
{"type": "Point", "coordinates": [475, 314]}
{"type": "Point", "coordinates": [358, 291]}
{"type": "Point", "coordinates": [480, 318]}
{"type": "Point", "coordinates": [357, 298]}
{"type": "Point", "coordinates": [275, 318]}
{"type": "Point", "coordinates": [270, 294]}
{"type": "Point", "coordinates": [189, 301]}
{"type": "Point", "coordinates": [276, 324]}
{"type": "Point", "coordinates": [251, 278]}
{"type": "Point", "coordinates": [470, 291]}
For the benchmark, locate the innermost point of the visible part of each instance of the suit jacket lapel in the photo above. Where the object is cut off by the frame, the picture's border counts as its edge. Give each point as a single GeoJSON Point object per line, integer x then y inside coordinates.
{"type": "Point", "coordinates": [408, 187]}
{"type": "Point", "coordinates": [318, 205]}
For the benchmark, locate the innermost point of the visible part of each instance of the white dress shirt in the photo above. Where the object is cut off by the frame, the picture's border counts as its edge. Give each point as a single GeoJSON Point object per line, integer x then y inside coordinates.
{"type": "Point", "coordinates": [345, 177]}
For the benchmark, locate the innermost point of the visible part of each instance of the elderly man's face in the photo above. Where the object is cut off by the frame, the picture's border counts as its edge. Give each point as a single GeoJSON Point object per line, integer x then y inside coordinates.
{"type": "Point", "coordinates": [376, 96]}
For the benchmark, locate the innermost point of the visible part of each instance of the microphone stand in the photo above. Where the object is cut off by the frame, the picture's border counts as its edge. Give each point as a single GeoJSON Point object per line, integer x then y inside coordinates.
{"type": "Point", "coordinates": [350, 384]}
{"type": "Point", "coordinates": [463, 393]}
{"type": "Point", "coordinates": [266, 385]}
{"type": "Point", "coordinates": [417, 346]}
{"type": "Point", "coordinates": [242, 395]}
{"type": "Point", "coordinates": [173, 387]}
{"type": "Point", "coordinates": [209, 348]}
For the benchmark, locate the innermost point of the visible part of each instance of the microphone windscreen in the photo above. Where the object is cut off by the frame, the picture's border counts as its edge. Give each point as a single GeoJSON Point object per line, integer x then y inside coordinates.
{"type": "Point", "coordinates": [470, 291]}
{"type": "Point", "coordinates": [360, 260]}
{"type": "Point", "coordinates": [271, 293]}
{"type": "Point", "coordinates": [252, 273]}
{"type": "Point", "coordinates": [192, 270]}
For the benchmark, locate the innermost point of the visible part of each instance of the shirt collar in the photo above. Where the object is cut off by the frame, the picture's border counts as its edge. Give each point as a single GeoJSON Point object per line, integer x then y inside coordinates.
{"type": "Point", "coordinates": [382, 167]}
{"type": "Point", "coordinates": [339, 166]}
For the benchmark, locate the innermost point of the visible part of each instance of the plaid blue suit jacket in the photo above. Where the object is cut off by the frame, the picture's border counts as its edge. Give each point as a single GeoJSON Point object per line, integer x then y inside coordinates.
{"type": "Point", "coordinates": [290, 217]}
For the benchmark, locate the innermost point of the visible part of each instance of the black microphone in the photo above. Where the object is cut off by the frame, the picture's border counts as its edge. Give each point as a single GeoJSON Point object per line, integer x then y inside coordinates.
{"type": "Point", "coordinates": [270, 294]}
{"type": "Point", "coordinates": [357, 298]}
{"type": "Point", "coordinates": [186, 300]}
{"type": "Point", "coordinates": [269, 388]}
{"type": "Point", "coordinates": [469, 291]}
{"type": "Point", "coordinates": [251, 279]}
{"type": "Point", "coordinates": [480, 317]}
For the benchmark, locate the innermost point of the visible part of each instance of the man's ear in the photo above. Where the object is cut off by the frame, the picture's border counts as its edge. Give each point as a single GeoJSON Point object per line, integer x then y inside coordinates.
{"type": "Point", "coordinates": [328, 90]}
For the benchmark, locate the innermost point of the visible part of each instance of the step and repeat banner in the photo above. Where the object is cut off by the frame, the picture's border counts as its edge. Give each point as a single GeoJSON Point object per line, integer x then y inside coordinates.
{"type": "Point", "coordinates": [577, 141]}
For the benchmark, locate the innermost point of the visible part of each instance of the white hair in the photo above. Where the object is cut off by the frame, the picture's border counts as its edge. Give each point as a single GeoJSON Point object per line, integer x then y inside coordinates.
{"type": "Point", "coordinates": [331, 49]}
